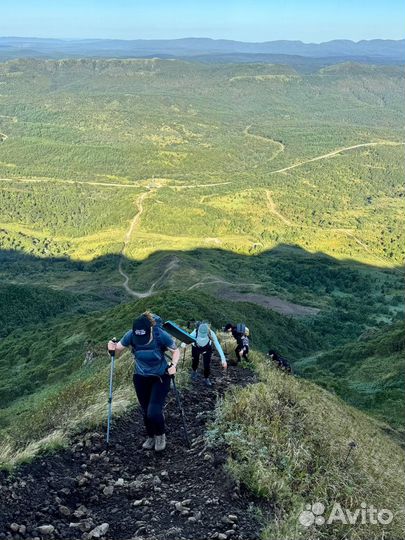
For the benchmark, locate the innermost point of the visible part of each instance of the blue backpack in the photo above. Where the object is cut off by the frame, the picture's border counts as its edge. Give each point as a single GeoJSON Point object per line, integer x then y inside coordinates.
{"type": "Point", "coordinates": [150, 358]}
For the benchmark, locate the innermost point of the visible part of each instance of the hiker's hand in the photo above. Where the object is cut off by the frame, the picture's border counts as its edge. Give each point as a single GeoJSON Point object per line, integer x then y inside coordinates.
{"type": "Point", "coordinates": [112, 345]}
{"type": "Point", "coordinates": [224, 365]}
{"type": "Point", "coordinates": [172, 370]}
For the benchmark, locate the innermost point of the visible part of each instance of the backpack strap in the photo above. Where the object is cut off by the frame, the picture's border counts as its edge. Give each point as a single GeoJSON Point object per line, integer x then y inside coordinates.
{"type": "Point", "coordinates": [157, 338]}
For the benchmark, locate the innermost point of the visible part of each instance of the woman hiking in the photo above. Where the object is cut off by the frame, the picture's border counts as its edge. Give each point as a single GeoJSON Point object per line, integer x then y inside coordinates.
{"type": "Point", "coordinates": [204, 338]}
{"type": "Point", "coordinates": [240, 332]}
{"type": "Point", "coordinates": [152, 374]}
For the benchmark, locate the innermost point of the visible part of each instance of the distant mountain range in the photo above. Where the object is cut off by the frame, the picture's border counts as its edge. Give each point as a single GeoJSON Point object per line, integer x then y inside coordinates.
{"type": "Point", "coordinates": [378, 51]}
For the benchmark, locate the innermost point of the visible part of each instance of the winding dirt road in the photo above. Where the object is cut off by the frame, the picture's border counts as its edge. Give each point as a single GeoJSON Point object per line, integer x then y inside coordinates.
{"type": "Point", "coordinates": [336, 152]}
{"type": "Point", "coordinates": [172, 265]}
{"type": "Point", "coordinates": [127, 238]}
{"type": "Point", "coordinates": [280, 145]}
{"type": "Point", "coordinates": [273, 209]}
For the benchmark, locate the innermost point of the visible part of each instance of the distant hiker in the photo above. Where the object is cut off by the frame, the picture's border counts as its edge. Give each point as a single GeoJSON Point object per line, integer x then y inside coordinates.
{"type": "Point", "coordinates": [241, 334]}
{"type": "Point", "coordinates": [242, 350]}
{"type": "Point", "coordinates": [149, 343]}
{"type": "Point", "coordinates": [205, 337]}
{"type": "Point", "coordinates": [279, 361]}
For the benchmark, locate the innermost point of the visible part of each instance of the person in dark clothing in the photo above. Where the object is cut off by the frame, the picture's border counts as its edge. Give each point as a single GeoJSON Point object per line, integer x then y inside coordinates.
{"type": "Point", "coordinates": [241, 334]}
{"type": "Point", "coordinates": [152, 373]}
{"type": "Point", "coordinates": [279, 361]}
{"type": "Point", "coordinates": [242, 349]}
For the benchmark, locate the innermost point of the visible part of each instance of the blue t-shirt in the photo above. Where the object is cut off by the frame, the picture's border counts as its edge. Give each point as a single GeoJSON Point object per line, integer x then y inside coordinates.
{"type": "Point", "coordinates": [150, 359]}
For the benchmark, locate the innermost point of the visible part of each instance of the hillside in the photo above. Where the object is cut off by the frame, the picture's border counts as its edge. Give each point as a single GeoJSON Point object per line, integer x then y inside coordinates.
{"type": "Point", "coordinates": [258, 155]}
{"type": "Point", "coordinates": [51, 373]}
{"type": "Point", "coordinates": [253, 183]}
{"type": "Point", "coordinates": [265, 193]}
{"type": "Point", "coordinates": [284, 444]}
{"type": "Point", "coordinates": [288, 442]}
{"type": "Point", "coordinates": [367, 373]}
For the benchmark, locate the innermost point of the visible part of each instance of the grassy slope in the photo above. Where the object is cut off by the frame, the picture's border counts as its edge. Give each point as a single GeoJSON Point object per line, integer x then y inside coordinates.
{"type": "Point", "coordinates": [288, 441]}
{"type": "Point", "coordinates": [367, 373]}
{"type": "Point", "coordinates": [46, 385]}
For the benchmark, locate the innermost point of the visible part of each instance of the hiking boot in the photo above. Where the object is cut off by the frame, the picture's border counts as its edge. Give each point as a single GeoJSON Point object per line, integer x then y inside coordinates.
{"type": "Point", "coordinates": [194, 376]}
{"type": "Point", "coordinates": [149, 443]}
{"type": "Point", "coordinates": [207, 382]}
{"type": "Point", "coordinates": [160, 442]}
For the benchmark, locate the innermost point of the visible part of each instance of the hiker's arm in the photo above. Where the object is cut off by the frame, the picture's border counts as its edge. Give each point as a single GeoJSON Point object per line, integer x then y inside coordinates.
{"type": "Point", "coordinates": [219, 349]}
{"type": "Point", "coordinates": [119, 346]}
{"type": "Point", "coordinates": [175, 361]}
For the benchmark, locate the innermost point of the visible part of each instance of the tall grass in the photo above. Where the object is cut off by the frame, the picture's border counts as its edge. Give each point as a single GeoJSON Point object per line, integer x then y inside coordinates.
{"type": "Point", "coordinates": [288, 443]}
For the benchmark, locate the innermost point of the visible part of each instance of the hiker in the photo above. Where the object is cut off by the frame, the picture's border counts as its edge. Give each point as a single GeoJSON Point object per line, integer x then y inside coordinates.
{"type": "Point", "coordinates": [242, 350]}
{"type": "Point", "coordinates": [280, 362]}
{"type": "Point", "coordinates": [241, 334]}
{"type": "Point", "coordinates": [205, 337]}
{"type": "Point", "coordinates": [152, 373]}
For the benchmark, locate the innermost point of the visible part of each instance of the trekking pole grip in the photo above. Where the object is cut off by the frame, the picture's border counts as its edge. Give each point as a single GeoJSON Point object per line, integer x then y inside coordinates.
{"type": "Point", "coordinates": [112, 352]}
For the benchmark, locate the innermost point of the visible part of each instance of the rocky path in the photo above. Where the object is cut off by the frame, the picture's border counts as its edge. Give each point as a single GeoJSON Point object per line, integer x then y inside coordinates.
{"type": "Point", "coordinates": [128, 493]}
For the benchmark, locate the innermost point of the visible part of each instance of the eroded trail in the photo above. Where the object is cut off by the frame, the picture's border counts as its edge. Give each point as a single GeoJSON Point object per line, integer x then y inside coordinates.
{"type": "Point", "coordinates": [127, 238]}
{"type": "Point", "coordinates": [182, 494]}
{"type": "Point", "coordinates": [336, 152]}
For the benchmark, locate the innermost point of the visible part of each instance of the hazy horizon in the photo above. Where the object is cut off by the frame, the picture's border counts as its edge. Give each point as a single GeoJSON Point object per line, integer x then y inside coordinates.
{"type": "Point", "coordinates": [312, 21]}
{"type": "Point", "coordinates": [70, 38]}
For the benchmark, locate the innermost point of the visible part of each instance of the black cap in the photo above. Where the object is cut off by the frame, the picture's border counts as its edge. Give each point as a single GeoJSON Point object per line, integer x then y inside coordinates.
{"type": "Point", "coordinates": [141, 330]}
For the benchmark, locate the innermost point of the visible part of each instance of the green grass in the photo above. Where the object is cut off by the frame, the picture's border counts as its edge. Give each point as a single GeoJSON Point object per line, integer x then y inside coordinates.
{"type": "Point", "coordinates": [287, 441]}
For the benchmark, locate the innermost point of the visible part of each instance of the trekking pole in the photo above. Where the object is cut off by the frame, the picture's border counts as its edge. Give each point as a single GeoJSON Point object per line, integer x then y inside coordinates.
{"type": "Point", "coordinates": [352, 445]}
{"type": "Point", "coordinates": [184, 357]}
{"type": "Point", "coordinates": [183, 418]}
{"type": "Point", "coordinates": [110, 394]}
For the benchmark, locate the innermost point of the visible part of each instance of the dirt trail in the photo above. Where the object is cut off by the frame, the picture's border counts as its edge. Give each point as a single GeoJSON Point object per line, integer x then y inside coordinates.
{"type": "Point", "coordinates": [127, 238]}
{"type": "Point", "coordinates": [362, 244]}
{"type": "Point", "coordinates": [106, 184]}
{"type": "Point", "coordinates": [183, 494]}
{"type": "Point", "coordinates": [274, 303]}
{"type": "Point", "coordinates": [172, 265]}
{"type": "Point", "coordinates": [336, 152]}
{"type": "Point", "coordinates": [280, 145]}
{"type": "Point", "coordinates": [272, 207]}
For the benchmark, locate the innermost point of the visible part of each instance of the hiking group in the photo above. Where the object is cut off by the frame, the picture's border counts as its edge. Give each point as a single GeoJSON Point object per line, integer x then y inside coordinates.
{"type": "Point", "coordinates": [150, 341]}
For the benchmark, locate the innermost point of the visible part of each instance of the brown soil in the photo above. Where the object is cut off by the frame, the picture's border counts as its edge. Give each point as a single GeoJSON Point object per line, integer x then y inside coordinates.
{"type": "Point", "coordinates": [269, 302]}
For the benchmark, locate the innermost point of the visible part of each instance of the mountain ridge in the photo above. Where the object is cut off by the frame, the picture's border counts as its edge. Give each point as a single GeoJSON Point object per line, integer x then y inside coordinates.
{"type": "Point", "coordinates": [377, 49]}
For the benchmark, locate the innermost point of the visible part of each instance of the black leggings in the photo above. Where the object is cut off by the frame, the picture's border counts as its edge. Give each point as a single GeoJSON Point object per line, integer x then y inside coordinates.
{"type": "Point", "coordinates": [206, 354]}
{"type": "Point", "coordinates": [241, 349]}
{"type": "Point", "coordinates": [152, 393]}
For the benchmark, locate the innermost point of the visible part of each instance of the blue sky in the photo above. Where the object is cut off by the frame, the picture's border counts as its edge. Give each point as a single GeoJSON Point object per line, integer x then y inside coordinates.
{"type": "Point", "coordinates": [255, 20]}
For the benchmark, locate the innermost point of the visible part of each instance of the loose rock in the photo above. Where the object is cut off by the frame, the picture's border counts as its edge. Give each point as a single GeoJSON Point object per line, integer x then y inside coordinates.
{"type": "Point", "coordinates": [99, 531]}
{"type": "Point", "coordinates": [46, 529]}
